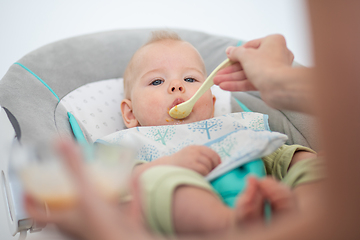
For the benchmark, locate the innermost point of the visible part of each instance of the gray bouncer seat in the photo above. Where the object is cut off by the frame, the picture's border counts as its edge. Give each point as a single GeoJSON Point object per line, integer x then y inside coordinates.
{"type": "Point", "coordinates": [36, 91]}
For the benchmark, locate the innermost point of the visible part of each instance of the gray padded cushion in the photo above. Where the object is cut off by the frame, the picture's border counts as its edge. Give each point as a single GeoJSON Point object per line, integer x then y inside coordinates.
{"type": "Point", "coordinates": [300, 128]}
{"type": "Point", "coordinates": [65, 65]}
{"type": "Point", "coordinates": [68, 64]}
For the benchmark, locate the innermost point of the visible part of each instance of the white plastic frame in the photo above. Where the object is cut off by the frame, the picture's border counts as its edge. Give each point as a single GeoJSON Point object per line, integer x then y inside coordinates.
{"type": "Point", "coordinates": [11, 188]}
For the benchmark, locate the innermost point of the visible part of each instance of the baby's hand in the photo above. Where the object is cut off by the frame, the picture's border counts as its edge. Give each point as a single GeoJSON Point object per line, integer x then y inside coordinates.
{"type": "Point", "coordinates": [198, 158]}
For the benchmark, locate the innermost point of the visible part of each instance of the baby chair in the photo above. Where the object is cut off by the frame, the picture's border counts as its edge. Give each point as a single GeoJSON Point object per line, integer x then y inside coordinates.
{"type": "Point", "coordinates": [73, 87]}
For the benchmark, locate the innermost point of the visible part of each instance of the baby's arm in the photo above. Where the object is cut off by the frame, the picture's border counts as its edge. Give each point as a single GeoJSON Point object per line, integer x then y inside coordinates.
{"type": "Point", "coordinates": [303, 175]}
{"type": "Point", "coordinates": [198, 158]}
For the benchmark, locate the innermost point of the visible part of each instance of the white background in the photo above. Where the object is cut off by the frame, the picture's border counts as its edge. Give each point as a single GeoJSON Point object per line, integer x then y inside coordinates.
{"type": "Point", "coordinates": [27, 25]}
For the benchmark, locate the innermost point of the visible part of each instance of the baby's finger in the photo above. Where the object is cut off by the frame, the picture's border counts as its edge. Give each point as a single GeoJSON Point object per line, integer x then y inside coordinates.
{"type": "Point", "coordinates": [212, 156]}
{"type": "Point", "coordinates": [205, 165]}
{"type": "Point", "coordinates": [201, 168]}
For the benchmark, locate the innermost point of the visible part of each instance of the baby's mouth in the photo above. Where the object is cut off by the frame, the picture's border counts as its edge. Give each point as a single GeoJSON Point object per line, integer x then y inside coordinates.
{"type": "Point", "coordinates": [176, 102]}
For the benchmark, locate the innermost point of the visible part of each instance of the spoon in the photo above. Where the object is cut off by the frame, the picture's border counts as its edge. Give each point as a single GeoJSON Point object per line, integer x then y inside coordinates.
{"type": "Point", "coordinates": [184, 109]}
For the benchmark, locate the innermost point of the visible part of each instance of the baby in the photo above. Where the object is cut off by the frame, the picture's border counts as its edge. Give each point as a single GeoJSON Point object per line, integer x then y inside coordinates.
{"type": "Point", "coordinates": [163, 73]}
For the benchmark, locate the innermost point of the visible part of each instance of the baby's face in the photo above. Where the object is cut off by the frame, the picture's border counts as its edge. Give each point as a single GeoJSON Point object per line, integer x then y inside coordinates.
{"type": "Point", "coordinates": [168, 73]}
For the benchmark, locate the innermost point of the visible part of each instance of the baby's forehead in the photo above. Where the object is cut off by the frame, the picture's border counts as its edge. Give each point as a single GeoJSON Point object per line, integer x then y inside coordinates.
{"type": "Point", "coordinates": [157, 50]}
{"type": "Point", "coordinates": [163, 46]}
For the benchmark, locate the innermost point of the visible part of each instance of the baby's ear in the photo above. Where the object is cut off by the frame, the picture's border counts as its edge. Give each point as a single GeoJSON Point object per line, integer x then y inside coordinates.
{"type": "Point", "coordinates": [214, 101]}
{"type": "Point", "coordinates": [127, 114]}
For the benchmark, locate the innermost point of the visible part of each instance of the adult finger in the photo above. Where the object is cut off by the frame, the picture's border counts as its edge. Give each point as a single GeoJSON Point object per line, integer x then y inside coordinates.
{"type": "Point", "coordinates": [234, 76]}
{"type": "Point", "coordinates": [232, 68]}
{"type": "Point", "coordinates": [250, 190]}
{"type": "Point", "coordinates": [274, 40]}
{"type": "Point", "coordinates": [249, 205]}
{"type": "Point", "coordinates": [35, 210]}
{"type": "Point", "coordinates": [135, 205]}
{"type": "Point", "coordinates": [39, 213]}
{"type": "Point", "coordinates": [72, 156]}
{"type": "Point", "coordinates": [256, 43]}
{"type": "Point", "coordinates": [279, 195]}
{"type": "Point", "coordinates": [291, 56]}
{"type": "Point", "coordinates": [253, 43]}
{"type": "Point", "coordinates": [241, 54]}
{"type": "Point", "coordinates": [244, 86]}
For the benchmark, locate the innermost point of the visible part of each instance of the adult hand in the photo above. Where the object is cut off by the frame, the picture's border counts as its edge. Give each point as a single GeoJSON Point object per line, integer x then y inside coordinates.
{"type": "Point", "coordinates": [256, 63]}
{"type": "Point", "coordinates": [266, 65]}
{"type": "Point", "coordinates": [250, 204]}
{"type": "Point", "coordinates": [92, 217]}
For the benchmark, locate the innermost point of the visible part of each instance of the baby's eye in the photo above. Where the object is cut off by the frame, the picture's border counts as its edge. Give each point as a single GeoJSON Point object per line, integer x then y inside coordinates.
{"type": "Point", "coordinates": [190, 80]}
{"type": "Point", "coordinates": [156, 82]}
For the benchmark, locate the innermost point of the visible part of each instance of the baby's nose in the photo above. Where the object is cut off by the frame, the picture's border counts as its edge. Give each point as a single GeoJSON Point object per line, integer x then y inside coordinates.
{"type": "Point", "coordinates": [177, 87]}
{"type": "Point", "coordinates": [180, 88]}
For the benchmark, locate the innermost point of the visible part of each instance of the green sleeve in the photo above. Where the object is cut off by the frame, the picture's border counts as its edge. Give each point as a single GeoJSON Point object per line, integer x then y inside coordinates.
{"type": "Point", "coordinates": [277, 165]}
{"type": "Point", "coordinates": [305, 171]}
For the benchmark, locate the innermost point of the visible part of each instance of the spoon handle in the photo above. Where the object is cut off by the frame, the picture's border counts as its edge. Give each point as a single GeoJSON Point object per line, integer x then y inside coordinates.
{"type": "Point", "coordinates": [209, 81]}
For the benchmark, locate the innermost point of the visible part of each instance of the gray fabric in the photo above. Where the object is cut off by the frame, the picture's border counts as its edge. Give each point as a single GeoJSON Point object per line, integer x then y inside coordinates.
{"type": "Point", "coordinates": [30, 102]}
{"type": "Point", "coordinates": [300, 128]}
{"type": "Point", "coordinates": [68, 64]}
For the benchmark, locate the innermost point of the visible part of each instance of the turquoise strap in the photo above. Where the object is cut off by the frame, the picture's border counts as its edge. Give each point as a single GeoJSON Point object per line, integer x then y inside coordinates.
{"type": "Point", "coordinates": [87, 148]}
{"type": "Point", "coordinates": [244, 108]}
{"type": "Point", "coordinates": [73, 123]}
{"type": "Point", "coordinates": [76, 129]}
{"type": "Point", "coordinates": [48, 87]}
{"type": "Point", "coordinates": [230, 184]}
{"type": "Point", "coordinates": [234, 182]}
{"type": "Point", "coordinates": [239, 43]}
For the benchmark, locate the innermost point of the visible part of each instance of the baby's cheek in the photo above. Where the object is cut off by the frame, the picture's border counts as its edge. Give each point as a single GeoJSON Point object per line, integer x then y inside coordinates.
{"type": "Point", "coordinates": [205, 107]}
{"type": "Point", "coordinates": [152, 113]}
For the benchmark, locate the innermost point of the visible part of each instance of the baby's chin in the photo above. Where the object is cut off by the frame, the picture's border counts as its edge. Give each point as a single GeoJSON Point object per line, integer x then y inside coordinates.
{"type": "Point", "coordinates": [189, 119]}
{"type": "Point", "coordinates": [173, 121]}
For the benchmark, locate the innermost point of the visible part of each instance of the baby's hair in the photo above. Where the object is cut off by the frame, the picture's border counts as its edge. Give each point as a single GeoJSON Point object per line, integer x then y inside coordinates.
{"type": "Point", "coordinates": [156, 36]}
{"type": "Point", "coordinates": [160, 35]}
